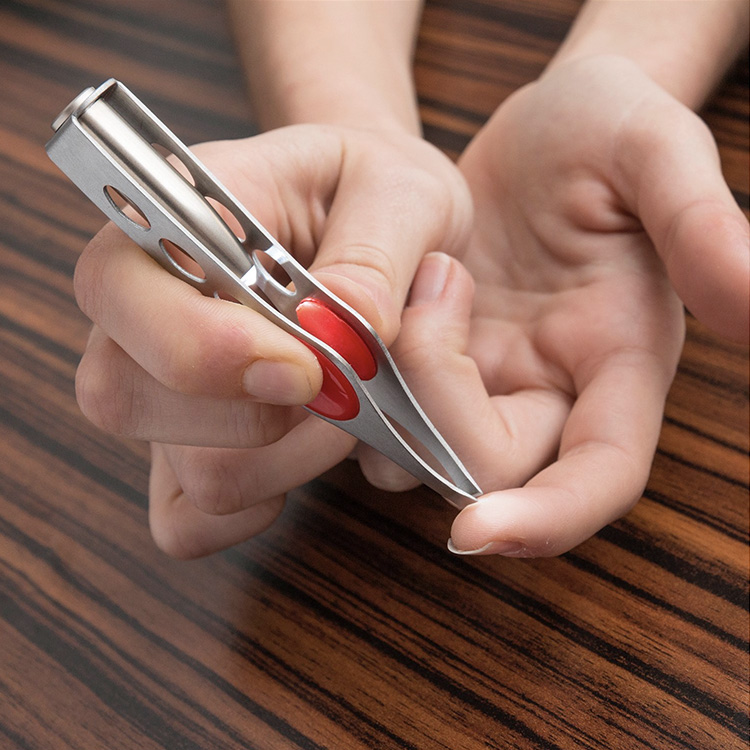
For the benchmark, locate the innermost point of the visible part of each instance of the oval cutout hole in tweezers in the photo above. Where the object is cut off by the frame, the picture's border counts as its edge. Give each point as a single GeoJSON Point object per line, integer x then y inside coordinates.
{"type": "Point", "coordinates": [228, 217]}
{"type": "Point", "coordinates": [273, 271]}
{"type": "Point", "coordinates": [174, 161]}
{"type": "Point", "coordinates": [126, 207]}
{"type": "Point", "coordinates": [182, 261]}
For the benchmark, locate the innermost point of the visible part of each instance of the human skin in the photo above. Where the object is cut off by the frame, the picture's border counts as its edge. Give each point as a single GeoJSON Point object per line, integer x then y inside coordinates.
{"type": "Point", "coordinates": [583, 231]}
{"type": "Point", "coordinates": [224, 456]}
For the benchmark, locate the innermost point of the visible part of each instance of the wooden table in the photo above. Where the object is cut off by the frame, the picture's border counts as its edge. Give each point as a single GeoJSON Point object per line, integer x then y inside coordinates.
{"type": "Point", "coordinates": [347, 625]}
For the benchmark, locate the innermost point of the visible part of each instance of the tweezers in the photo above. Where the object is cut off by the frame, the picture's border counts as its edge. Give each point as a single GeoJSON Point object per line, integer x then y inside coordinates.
{"type": "Point", "coordinates": [116, 151]}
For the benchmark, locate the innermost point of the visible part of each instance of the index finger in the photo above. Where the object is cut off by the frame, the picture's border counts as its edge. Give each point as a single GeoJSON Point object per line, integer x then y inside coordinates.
{"type": "Point", "coordinates": [190, 343]}
{"type": "Point", "coordinates": [605, 458]}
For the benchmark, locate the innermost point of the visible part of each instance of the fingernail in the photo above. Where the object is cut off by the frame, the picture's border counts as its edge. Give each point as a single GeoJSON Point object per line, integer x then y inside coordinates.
{"type": "Point", "coordinates": [508, 548]}
{"type": "Point", "coordinates": [277, 383]}
{"type": "Point", "coordinates": [430, 280]}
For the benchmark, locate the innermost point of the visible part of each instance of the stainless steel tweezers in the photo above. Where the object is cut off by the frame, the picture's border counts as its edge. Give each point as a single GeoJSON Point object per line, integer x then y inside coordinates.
{"type": "Point", "coordinates": [115, 151]}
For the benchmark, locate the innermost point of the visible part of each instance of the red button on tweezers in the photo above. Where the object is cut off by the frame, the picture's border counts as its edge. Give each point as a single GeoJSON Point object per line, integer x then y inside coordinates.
{"type": "Point", "coordinates": [337, 398]}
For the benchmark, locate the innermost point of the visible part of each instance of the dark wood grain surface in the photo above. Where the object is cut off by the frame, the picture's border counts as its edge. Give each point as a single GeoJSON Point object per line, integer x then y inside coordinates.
{"type": "Point", "coordinates": [347, 626]}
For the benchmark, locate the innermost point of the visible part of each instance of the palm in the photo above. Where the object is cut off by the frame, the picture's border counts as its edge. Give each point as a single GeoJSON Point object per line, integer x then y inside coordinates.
{"type": "Point", "coordinates": [575, 329]}
{"type": "Point", "coordinates": [567, 278]}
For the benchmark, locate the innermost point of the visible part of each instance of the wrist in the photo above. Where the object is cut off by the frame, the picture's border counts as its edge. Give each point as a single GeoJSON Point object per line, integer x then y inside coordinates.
{"type": "Point", "coordinates": [332, 63]}
{"type": "Point", "coordinates": [347, 98]}
{"type": "Point", "coordinates": [685, 47]}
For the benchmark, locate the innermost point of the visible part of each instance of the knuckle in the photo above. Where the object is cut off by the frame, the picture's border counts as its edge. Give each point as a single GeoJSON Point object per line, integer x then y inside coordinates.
{"type": "Point", "coordinates": [419, 351]}
{"type": "Point", "coordinates": [378, 264]}
{"type": "Point", "coordinates": [421, 188]}
{"type": "Point", "coordinates": [680, 130]}
{"type": "Point", "coordinates": [256, 424]}
{"type": "Point", "coordinates": [175, 539]}
{"type": "Point", "coordinates": [415, 357]}
{"type": "Point", "coordinates": [445, 194]}
{"type": "Point", "coordinates": [105, 395]}
{"type": "Point", "coordinates": [179, 368]}
{"type": "Point", "coordinates": [212, 483]}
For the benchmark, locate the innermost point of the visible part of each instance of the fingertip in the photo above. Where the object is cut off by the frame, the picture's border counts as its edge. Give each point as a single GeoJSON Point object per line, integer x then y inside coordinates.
{"type": "Point", "coordinates": [280, 383]}
{"type": "Point", "coordinates": [507, 548]}
{"type": "Point", "coordinates": [709, 264]}
{"type": "Point", "coordinates": [480, 525]}
{"type": "Point", "coordinates": [510, 523]}
{"type": "Point", "coordinates": [227, 349]}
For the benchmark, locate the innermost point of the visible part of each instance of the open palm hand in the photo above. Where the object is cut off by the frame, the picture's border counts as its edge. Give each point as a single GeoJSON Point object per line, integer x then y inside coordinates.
{"type": "Point", "coordinates": [596, 196]}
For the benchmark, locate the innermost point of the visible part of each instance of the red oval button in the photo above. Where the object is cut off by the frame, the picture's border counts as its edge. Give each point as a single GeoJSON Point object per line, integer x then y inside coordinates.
{"type": "Point", "coordinates": [323, 323]}
{"type": "Point", "coordinates": [337, 398]}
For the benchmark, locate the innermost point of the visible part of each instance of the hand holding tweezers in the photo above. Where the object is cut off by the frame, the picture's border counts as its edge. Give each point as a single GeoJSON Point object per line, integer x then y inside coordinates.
{"type": "Point", "coordinates": [104, 142]}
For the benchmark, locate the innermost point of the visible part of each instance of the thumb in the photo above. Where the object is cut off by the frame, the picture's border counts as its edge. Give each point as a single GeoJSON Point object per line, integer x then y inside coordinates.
{"type": "Point", "coordinates": [673, 173]}
{"type": "Point", "coordinates": [383, 220]}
